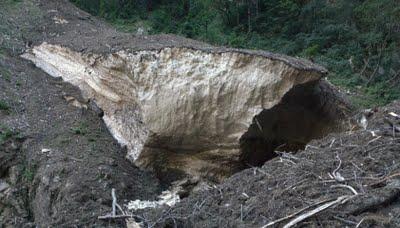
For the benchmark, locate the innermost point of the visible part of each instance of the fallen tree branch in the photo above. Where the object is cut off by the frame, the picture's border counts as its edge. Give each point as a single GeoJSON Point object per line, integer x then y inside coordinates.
{"type": "Point", "coordinates": [323, 207]}
{"type": "Point", "coordinates": [110, 217]}
{"type": "Point", "coordinates": [114, 201]}
{"type": "Point", "coordinates": [294, 214]}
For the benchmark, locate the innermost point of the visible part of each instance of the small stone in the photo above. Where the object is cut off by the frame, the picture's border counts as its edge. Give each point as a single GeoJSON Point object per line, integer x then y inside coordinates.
{"type": "Point", "coordinates": [44, 150]}
{"type": "Point", "coordinates": [3, 186]}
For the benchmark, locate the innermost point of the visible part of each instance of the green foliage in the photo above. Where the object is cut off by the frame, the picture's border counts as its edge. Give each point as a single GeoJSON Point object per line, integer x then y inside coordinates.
{"type": "Point", "coordinates": [6, 74]}
{"type": "Point", "coordinates": [28, 173]}
{"type": "Point", "coordinates": [2, 52]}
{"type": "Point", "coordinates": [5, 134]}
{"type": "Point", "coordinates": [358, 41]}
{"type": "Point", "coordinates": [312, 51]}
{"type": "Point", "coordinates": [4, 106]}
{"type": "Point", "coordinates": [80, 129]}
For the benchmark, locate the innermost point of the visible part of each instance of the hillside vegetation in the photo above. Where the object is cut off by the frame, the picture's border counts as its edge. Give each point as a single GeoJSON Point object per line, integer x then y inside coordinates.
{"type": "Point", "coordinates": [357, 40]}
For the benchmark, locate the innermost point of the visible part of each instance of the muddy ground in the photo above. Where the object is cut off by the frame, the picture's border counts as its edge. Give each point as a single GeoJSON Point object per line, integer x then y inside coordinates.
{"type": "Point", "coordinates": [58, 162]}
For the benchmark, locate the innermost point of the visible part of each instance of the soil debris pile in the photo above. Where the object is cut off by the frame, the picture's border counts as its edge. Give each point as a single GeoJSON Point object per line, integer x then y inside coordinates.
{"type": "Point", "coordinates": [346, 179]}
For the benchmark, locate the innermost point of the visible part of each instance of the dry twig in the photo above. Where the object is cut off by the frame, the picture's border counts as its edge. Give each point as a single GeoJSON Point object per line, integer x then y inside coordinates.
{"type": "Point", "coordinates": [335, 174]}
{"type": "Point", "coordinates": [326, 205]}
{"type": "Point", "coordinates": [317, 210]}
{"type": "Point", "coordinates": [345, 186]}
{"type": "Point", "coordinates": [115, 205]}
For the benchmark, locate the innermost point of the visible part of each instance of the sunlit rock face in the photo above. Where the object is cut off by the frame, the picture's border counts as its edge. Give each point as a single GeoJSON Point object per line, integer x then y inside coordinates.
{"type": "Point", "coordinates": [181, 110]}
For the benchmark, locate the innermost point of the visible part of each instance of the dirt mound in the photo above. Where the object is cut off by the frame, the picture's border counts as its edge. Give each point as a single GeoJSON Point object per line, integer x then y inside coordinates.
{"type": "Point", "coordinates": [355, 174]}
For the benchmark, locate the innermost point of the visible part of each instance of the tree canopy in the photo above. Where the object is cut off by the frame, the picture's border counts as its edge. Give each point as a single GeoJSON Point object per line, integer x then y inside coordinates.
{"type": "Point", "coordinates": [357, 40]}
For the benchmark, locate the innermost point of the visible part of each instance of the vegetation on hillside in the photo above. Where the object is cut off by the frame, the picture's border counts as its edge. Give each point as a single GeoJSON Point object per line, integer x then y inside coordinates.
{"type": "Point", "coordinates": [357, 40]}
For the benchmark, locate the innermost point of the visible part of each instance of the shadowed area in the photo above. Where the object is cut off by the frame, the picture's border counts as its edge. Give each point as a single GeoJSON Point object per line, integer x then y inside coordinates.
{"type": "Point", "coordinates": [306, 112]}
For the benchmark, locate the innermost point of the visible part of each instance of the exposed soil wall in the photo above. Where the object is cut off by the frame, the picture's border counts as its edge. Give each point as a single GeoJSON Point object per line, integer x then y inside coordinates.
{"type": "Point", "coordinates": [184, 110]}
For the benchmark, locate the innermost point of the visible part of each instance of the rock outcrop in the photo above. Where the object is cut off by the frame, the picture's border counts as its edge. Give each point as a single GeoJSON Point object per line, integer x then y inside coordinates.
{"type": "Point", "coordinates": [202, 112]}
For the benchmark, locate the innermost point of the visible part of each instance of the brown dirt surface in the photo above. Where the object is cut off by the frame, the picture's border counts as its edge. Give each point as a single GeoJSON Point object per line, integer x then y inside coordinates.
{"type": "Point", "coordinates": [367, 161]}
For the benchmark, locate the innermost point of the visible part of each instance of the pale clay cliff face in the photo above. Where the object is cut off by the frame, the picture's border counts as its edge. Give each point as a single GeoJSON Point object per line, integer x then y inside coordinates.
{"type": "Point", "coordinates": [183, 108]}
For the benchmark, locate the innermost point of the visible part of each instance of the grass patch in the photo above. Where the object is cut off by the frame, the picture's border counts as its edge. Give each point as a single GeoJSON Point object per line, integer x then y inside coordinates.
{"type": "Point", "coordinates": [2, 51]}
{"type": "Point", "coordinates": [5, 134]}
{"type": "Point", "coordinates": [12, 2]}
{"type": "Point", "coordinates": [4, 106]}
{"type": "Point", "coordinates": [6, 74]}
{"type": "Point", "coordinates": [80, 129]}
{"type": "Point", "coordinates": [29, 172]}
{"type": "Point", "coordinates": [18, 83]}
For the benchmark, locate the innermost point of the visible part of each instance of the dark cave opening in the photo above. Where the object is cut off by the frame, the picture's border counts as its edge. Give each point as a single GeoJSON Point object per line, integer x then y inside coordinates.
{"type": "Point", "coordinates": [308, 111]}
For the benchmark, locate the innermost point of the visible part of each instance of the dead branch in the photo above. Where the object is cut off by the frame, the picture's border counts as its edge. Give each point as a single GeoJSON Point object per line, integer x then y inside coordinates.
{"type": "Point", "coordinates": [333, 141]}
{"type": "Point", "coordinates": [115, 205]}
{"type": "Point", "coordinates": [345, 220]}
{"type": "Point", "coordinates": [335, 174]}
{"type": "Point", "coordinates": [394, 114]}
{"type": "Point", "coordinates": [110, 217]}
{"type": "Point", "coordinates": [294, 214]}
{"type": "Point", "coordinates": [345, 186]}
{"type": "Point", "coordinates": [340, 164]}
{"type": "Point", "coordinates": [317, 210]}
{"type": "Point", "coordinates": [373, 140]}
{"type": "Point", "coordinates": [114, 202]}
